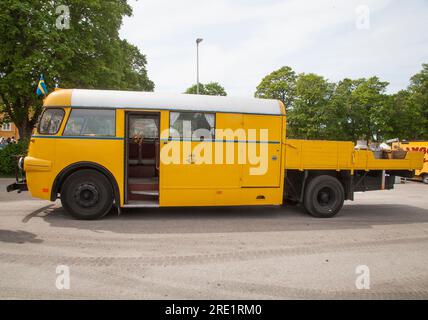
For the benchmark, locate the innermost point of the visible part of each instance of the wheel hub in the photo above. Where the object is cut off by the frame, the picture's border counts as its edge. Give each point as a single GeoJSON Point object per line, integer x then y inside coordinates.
{"type": "Point", "coordinates": [86, 195]}
{"type": "Point", "coordinates": [325, 197]}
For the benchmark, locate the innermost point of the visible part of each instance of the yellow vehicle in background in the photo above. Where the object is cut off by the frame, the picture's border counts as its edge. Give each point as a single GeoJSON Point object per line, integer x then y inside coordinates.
{"type": "Point", "coordinates": [95, 149]}
{"type": "Point", "coordinates": [416, 146]}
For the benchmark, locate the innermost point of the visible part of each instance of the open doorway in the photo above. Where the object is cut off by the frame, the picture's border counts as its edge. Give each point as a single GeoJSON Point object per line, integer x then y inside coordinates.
{"type": "Point", "coordinates": [142, 159]}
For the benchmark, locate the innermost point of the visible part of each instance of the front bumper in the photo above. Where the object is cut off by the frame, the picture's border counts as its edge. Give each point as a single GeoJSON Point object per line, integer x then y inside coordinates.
{"type": "Point", "coordinates": [18, 185]}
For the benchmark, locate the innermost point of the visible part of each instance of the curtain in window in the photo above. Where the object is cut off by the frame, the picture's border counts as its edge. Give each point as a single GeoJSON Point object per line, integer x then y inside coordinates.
{"type": "Point", "coordinates": [210, 119]}
{"type": "Point", "coordinates": [173, 116]}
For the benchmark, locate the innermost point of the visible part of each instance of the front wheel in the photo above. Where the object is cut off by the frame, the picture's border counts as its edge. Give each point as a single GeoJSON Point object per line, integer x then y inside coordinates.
{"type": "Point", "coordinates": [87, 195]}
{"type": "Point", "coordinates": [324, 197]}
{"type": "Point", "coordinates": [425, 178]}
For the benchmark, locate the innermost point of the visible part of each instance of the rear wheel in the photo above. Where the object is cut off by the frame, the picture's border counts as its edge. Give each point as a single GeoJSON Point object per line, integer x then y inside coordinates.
{"type": "Point", "coordinates": [425, 178]}
{"type": "Point", "coordinates": [87, 195]}
{"type": "Point", "coordinates": [324, 197]}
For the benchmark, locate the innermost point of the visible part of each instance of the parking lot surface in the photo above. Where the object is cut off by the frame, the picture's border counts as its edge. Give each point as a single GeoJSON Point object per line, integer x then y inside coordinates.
{"type": "Point", "coordinates": [219, 253]}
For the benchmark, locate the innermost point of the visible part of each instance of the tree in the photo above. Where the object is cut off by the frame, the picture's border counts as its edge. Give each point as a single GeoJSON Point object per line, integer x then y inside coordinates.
{"type": "Point", "coordinates": [350, 109]}
{"type": "Point", "coordinates": [417, 104]}
{"type": "Point", "coordinates": [280, 84]}
{"type": "Point", "coordinates": [210, 89]}
{"type": "Point", "coordinates": [400, 116]}
{"type": "Point", "coordinates": [358, 109]}
{"type": "Point", "coordinates": [340, 117]}
{"type": "Point", "coordinates": [308, 118]}
{"type": "Point", "coordinates": [89, 54]}
{"type": "Point", "coordinates": [408, 109]}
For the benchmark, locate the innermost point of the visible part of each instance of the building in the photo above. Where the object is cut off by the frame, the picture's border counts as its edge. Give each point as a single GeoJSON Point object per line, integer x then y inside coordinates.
{"type": "Point", "coordinates": [8, 129]}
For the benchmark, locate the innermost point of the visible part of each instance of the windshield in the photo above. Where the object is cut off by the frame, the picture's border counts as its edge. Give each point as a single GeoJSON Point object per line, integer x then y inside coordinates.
{"type": "Point", "coordinates": [51, 121]}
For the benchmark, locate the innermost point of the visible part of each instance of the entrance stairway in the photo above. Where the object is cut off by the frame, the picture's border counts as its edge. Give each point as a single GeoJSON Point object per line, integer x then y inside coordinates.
{"type": "Point", "coordinates": [143, 177]}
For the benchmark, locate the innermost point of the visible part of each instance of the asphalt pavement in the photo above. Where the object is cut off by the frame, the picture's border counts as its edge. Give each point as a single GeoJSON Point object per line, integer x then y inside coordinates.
{"type": "Point", "coordinates": [376, 247]}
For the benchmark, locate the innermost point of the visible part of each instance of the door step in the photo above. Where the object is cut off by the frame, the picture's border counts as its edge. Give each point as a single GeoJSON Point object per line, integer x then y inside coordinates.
{"type": "Point", "coordinates": [142, 204]}
{"type": "Point", "coordinates": [145, 192]}
{"type": "Point", "coordinates": [143, 161]}
{"type": "Point", "coordinates": [152, 180]}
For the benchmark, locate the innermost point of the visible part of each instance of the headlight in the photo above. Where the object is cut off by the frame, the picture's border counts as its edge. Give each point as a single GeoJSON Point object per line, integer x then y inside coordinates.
{"type": "Point", "coordinates": [21, 163]}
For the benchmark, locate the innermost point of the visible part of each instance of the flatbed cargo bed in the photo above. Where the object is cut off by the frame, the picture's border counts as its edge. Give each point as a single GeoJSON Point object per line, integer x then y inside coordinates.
{"type": "Point", "coordinates": [341, 155]}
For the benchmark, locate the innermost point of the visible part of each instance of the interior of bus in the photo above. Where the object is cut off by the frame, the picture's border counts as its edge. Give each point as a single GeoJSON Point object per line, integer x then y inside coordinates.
{"type": "Point", "coordinates": [142, 159]}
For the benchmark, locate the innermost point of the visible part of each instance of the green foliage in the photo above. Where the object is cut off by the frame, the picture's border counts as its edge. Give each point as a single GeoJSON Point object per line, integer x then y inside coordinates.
{"type": "Point", "coordinates": [308, 117]}
{"type": "Point", "coordinates": [209, 89]}
{"type": "Point", "coordinates": [400, 116]}
{"type": "Point", "coordinates": [358, 110]}
{"type": "Point", "coordinates": [349, 109]}
{"type": "Point", "coordinates": [89, 54]}
{"type": "Point", "coordinates": [7, 159]}
{"type": "Point", "coordinates": [404, 114]}
{"type": "Point", "coordinates": [417, 105]}
{"type": "Point", "coordinates": [280, 84]}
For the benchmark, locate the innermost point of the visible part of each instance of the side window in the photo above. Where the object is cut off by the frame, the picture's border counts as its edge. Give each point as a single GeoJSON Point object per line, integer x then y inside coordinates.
{"type": "Point", "coordinates": [51, 121]}
{"type": "Point", "coordinates": [146, 128]}
{"type": "Point", "coordinates": [6, 126]}
{"type": "Point", "coordinates": [192, 125]}
{"type": "Point", "coordinates": [91, 122]}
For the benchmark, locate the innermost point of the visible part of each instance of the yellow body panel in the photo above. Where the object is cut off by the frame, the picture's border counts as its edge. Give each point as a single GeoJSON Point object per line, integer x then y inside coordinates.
{"type": "Point", "coordinates": [58, 98]}
{"type": "Point", "coordinates": [221, 197]}
{"type": "Point", "coordinates": [340, 155]}
{"type": "Point", "coordinates": [48, 155]}
{"type": "Point", "coordinates": [107, 153]}
{"type": "Point", "coordinates": [269, 146]}
{"type": "Point", "coordinates": [316, 155]}
{"type": "Point", "coordinates": [41, 151]}
{"type": "Point", "coordinates": [195, 182]}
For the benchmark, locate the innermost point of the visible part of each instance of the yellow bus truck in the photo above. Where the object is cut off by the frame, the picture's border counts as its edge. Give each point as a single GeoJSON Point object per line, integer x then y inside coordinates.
{"type": "Point", "coordinates": [98, 149]}
{"type": "Point", "coordinates": [416, 146]}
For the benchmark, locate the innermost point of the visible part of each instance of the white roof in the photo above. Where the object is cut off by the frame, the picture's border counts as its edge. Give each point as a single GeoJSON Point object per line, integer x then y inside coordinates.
{"type": "Point", "coordinates": [158, 101]}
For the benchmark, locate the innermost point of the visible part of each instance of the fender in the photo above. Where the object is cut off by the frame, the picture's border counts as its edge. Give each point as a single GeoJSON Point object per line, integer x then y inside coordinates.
{"type": "Point", "coordinates": [85, 165]}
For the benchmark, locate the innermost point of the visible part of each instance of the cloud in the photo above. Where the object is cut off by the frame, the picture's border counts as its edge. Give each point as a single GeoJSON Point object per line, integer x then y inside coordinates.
{"type": "Point", "coordinates": [245, 40]}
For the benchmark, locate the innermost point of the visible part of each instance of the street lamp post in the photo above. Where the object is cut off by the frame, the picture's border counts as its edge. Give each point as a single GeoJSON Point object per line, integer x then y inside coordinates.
{"type": "Point", "coordinates": [198, 40]}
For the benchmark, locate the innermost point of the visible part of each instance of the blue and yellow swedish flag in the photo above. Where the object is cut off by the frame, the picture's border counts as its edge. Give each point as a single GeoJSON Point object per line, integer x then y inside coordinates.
{"type": "Point", "coordinates": [41, 87]}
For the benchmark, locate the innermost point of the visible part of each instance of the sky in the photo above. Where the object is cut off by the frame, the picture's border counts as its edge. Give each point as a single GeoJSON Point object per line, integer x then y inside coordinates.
{"type": "Point", "coordinates": [244, 40]}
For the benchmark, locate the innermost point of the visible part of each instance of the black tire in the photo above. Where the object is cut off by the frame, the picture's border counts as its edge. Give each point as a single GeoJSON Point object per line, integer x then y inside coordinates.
{"type": "Point", "coordinates": [87, 195]}
{"type": "Point", "coordinates": [324, 197]}
{"type": "Point", "coordinates": [425, 178]}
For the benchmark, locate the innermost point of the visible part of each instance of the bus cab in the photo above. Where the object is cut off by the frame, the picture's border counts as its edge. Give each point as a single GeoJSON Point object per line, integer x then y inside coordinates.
{"type": "Point", "coordinates": [95, 149]}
